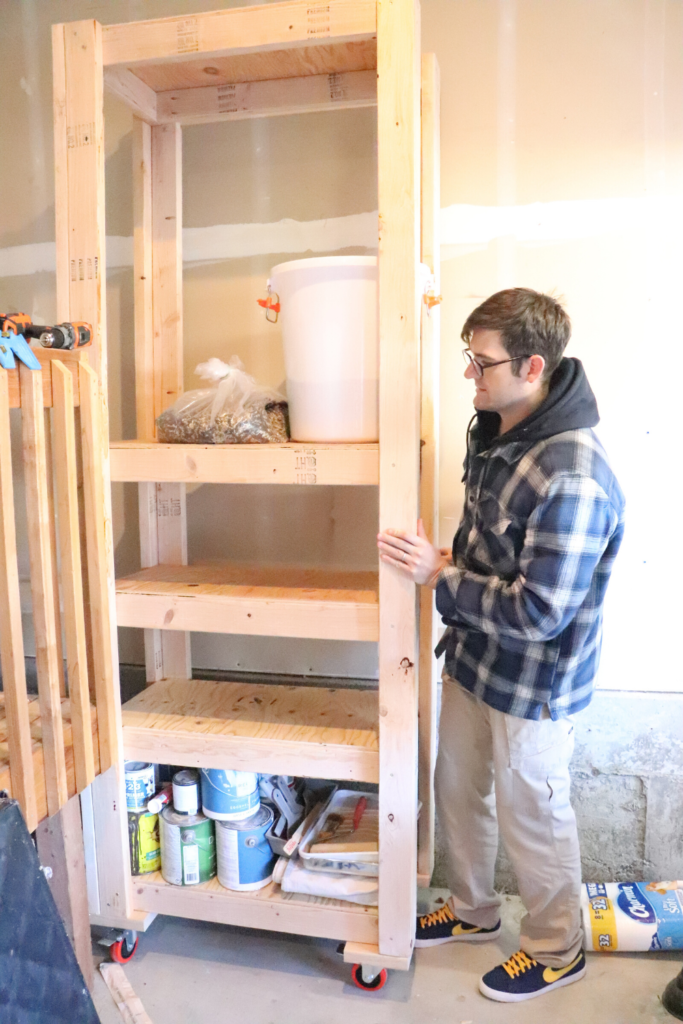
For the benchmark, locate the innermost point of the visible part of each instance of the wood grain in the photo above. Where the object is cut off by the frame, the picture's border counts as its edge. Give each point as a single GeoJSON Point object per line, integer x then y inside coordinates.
{"type": "Point", "coordinates": [254, 29]}
{"type": "Point", "coordinates": [282, 730]}
{"type": "Point", "coordinates": [38, 519]}
{"type": "Point", "coordinates": [256, 600]}
{"type": "Point", "coordinates": [429, 462]}
{"type": "Point", "coordinates": [398, 111]}
{"type": "Point", "coordinates": [99, 564]}
{"type": "Point", "coordinates": [81, 196]}
{"type": "Point", "coordinates": [11, 634]}
{"type": "Point", "coordinates": [293, 463]}
{"type": "Point", "coordinates": [37, 751]}
{"type": "Point", "coordinates": [66, 474]}
{"type": "Point", "coordinates": [268, 908]}
{"type": "Point", "coordinates": [235, 102]}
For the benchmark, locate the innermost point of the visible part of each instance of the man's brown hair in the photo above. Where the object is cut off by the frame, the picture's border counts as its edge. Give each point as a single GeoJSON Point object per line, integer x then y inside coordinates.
{"type": "Point", "coordinates": [529, 322]}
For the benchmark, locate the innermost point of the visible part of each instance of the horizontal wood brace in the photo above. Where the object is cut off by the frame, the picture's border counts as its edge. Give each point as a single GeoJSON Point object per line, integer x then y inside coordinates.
{"type": "Point", "coordinates": [45, 356]}
{"type": "Point", "coordinates": [141, 461]}
{"type": "Point", "coordinates": [267, 908]}
{"type": "Point", "coordinates": [235, 102]}
{"type": "Point", "coordinates": [243, 29]}
{"type": "Point", "coordinates": [368, 955]}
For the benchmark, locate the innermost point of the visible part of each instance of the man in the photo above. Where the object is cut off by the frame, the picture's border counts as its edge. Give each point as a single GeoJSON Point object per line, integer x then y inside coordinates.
{"type": "Point", "coordinates": [522, 597]}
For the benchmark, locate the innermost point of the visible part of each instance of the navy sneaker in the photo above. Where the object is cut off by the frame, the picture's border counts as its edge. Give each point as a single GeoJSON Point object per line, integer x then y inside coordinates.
{"type": "Point", "coordinates": [520, 978]}
{"type": "Point", "coordinates": [443, 926]}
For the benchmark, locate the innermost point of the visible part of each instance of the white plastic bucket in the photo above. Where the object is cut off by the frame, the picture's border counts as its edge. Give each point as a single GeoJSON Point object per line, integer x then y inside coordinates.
{"type": "Point", "coordinates": [328, 312]}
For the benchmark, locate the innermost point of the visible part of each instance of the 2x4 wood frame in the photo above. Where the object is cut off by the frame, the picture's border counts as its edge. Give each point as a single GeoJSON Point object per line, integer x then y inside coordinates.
{"type": "Point", "coordinates": [250, 62]}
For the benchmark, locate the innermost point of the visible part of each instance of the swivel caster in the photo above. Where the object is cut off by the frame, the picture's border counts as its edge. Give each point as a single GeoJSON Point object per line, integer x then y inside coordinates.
{"type": "Point", "coordinates": [371, 979]}
{"type": "Point", "coordinates": [123, 949]}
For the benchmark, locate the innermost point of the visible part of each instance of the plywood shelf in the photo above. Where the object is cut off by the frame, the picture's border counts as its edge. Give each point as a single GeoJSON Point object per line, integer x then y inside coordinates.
{"type": "Point", "coordinates": [268, 908]}
{"type": "Point", "coordinates": [305, 731]}
{"type": "Point", "coordinates": [294, 463]}
{"type": "Point", "coordinates": [279, 600]}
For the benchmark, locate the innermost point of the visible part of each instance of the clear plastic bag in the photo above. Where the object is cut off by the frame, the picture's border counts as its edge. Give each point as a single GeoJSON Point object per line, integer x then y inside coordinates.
{"type": "Point", "coordinates": [236, 410]}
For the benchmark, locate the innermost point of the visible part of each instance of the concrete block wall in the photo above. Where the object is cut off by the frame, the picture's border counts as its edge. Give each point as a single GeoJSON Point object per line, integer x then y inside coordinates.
{"type": "Point", "coordinates": [627, 790]}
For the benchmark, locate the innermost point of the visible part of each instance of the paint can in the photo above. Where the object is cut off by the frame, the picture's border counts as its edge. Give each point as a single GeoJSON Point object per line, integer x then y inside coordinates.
{"type": "Point", "coordinates": [228, 795]}
{"type": "Point", "coordinates": [140, 787]}
{"type": "Point", "coordinates": [186, 791]}
{"type": "Point", "coordinates": [143, 840]}
{"type": "Point", "coordinates": [244, 857]}
{"type": "Point", "coordinates": [188, 847]}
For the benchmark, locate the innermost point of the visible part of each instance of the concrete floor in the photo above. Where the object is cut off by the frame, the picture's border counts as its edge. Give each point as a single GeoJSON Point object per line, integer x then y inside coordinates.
{"type": "Point", "coordinates": [191, 972]}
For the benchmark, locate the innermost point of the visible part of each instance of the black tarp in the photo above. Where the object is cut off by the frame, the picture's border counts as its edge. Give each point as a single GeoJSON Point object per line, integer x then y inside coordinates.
{"type": "Point", "coordinates": [40, 980]}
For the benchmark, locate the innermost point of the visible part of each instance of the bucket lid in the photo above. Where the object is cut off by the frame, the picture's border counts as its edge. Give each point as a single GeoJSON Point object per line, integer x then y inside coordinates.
{"type": "Point", "coordinates": [325, 261]}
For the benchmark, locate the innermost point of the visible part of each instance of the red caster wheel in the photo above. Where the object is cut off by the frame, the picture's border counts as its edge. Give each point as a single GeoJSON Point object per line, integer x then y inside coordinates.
{"type": "Point", "coordinates": [378, 982]}
{"type": "Point", "coordinates": [122, 952]}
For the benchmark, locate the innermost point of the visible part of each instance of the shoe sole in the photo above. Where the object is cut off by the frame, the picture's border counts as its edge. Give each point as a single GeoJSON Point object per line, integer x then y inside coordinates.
{"type": "Point", "coordinates": [475, 937]}
{"type": "Point", "coordinates": [510, 997]}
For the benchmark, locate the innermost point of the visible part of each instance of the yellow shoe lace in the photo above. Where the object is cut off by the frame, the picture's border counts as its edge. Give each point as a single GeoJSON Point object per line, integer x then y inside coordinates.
{"type": "Point", "coordinates": [518, 964]}
{"type": "Point", "coordinates": [438, 917]}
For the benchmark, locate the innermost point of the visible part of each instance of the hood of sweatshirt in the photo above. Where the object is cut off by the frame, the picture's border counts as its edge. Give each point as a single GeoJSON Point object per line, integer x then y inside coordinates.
{"type": "Point", "coordinates": [569, 405]}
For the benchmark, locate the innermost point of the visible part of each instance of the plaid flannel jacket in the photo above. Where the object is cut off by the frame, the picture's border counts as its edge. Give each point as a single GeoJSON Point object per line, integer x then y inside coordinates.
{"type": "Point", "coordinates": [531, 561]}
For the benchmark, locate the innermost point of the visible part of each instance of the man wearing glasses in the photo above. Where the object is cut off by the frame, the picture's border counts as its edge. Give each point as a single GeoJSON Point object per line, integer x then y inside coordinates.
{"type": "Point", "coordinates": [521, 594]}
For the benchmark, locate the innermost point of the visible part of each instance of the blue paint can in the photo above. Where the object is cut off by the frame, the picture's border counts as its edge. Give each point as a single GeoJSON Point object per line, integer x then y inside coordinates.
{"type": "Point", "coordinates": [139, 776]}
{"type": "Point", "coordinates": [244, 859]}
{"type": "Point", "coordinates": [228, 795]}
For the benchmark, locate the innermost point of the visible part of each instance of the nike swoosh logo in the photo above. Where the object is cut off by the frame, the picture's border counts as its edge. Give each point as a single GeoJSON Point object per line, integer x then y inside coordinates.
{"type": "Point", "coordinates": [551, 974]}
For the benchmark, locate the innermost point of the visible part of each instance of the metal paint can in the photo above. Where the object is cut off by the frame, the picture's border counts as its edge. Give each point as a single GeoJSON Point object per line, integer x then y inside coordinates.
{"type": "Point", "coordinates": [186, 791]}
{"type": "Point", "coordinates": [228, 795]}
{"type": "Point", "coordinates": [188, 847]}
{"type": "Point", "coordinates": [143, 839]}
{"type": "Point", "coordinates": [245, 859]}
{"type": "Point", "coordinates": [140, 787]}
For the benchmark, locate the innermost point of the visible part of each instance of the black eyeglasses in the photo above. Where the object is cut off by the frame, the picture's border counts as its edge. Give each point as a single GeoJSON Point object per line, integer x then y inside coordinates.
{"type": "Point", "coordinates": [479, 368]}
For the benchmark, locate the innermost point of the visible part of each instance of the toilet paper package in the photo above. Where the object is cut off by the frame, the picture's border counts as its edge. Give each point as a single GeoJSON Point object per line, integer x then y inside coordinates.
{"type": "Point", "coordinates": [632, 916]}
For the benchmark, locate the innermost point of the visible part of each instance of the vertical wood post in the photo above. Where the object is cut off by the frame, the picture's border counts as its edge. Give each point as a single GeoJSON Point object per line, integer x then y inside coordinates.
{"type": "Point", "coordinates": [66, 475]}
{"type": "Point", "coordinates": [398, 101]}
{"type": "Point", "coordinates": [429, 481]}
{"type": "Point", "coordinates": [11, 636]}
{"type": "Point", "coordinates": [38, 519]}
{"type": "Point", "coordinates": [167, 652]}
{"type": "Point", "coordinates": [100, 559]}
{"type": "Point", "coordinates": [79, 180]}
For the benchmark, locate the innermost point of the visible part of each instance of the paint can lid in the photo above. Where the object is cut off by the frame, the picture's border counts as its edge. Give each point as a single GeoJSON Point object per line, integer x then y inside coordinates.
{"type": "Point", "coordinates": [172, 817]}
{"type": "Point", "coordinates": [263, 818]}
{"type": "Point", "coordinates": [136, 766]}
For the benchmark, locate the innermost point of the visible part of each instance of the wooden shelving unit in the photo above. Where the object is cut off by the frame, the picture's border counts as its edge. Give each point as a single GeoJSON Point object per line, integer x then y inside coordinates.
{"type": "Point", "coordinates": [277, 59]}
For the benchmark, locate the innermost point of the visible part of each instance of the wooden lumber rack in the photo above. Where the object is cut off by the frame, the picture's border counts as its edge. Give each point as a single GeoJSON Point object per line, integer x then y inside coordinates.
{"type": "Point", "coordinates": [53, 745]}
{"type": "Point", "coordinates": [261, 61]}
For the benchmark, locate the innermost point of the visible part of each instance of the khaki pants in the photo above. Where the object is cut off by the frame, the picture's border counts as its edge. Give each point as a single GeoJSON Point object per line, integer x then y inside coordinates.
{"type": "Point", "coordinates": [497, 771]}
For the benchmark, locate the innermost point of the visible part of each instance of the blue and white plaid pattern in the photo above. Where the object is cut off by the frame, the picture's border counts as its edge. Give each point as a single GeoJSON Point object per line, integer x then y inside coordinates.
{"type": "Point", "coordinates": [532, 558]}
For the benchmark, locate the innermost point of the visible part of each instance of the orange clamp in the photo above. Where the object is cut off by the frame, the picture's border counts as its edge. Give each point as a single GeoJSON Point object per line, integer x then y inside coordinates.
{"type": "Point", "coordinates": [432, 300]}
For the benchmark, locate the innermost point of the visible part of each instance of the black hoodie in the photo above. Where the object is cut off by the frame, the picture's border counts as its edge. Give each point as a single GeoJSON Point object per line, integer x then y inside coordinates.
{"type": "Point", "coordinates": [569, 405]}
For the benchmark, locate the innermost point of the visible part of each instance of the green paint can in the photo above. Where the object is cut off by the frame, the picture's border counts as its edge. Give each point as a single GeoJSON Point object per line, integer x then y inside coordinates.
{"type": "Point", "coordinates": [188, 847]}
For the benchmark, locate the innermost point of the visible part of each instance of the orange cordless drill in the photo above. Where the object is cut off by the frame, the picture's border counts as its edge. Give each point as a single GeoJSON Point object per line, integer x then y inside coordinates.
{"type": "Point", "coordinates": [67, 335]}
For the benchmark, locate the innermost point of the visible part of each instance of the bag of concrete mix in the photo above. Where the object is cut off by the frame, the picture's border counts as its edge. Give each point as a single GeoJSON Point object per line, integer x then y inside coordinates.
{"type": "Point", "coordinates": [632, 916]}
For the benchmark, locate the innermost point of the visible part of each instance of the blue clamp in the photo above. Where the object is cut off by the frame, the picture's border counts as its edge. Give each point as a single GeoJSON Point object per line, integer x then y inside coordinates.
{"type": "Point", "coordinates": [12, 345]}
